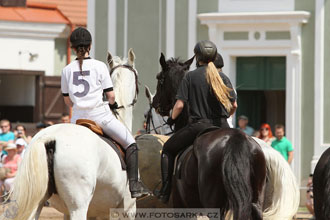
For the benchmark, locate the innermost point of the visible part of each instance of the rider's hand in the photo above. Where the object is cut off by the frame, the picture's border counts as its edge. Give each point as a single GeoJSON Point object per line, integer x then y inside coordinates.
{"type": "Point", "coordinates": [113, 106]}
{"type": "Point", "coordinates": [170, 121]}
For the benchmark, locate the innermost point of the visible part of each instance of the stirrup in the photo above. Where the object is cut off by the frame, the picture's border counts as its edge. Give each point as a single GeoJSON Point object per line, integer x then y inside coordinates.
{"type": "Point", "coordinates": [141, 192]}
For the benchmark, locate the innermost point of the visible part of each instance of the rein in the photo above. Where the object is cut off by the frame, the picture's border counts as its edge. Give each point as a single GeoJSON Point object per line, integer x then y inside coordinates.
{"type": "Point", "coordinates": [136, 83]}
{"type": "Point", "coordinates": [151, 121]}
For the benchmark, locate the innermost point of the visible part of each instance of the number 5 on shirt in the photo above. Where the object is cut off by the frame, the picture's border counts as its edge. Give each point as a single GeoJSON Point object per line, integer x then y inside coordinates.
{"type": "Point", "coordinates": [77, 82]}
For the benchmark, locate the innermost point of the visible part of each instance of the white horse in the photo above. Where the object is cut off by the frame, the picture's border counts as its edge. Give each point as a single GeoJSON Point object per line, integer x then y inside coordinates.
{"type": "Point", "coordinates": [123, 74]}
{"type": "Point", "coordinates": [156, 124]}
{"type": "Point", "coordinates": [281, 193]}
{"type": "Point", "coordinates": [282, 196]}
{"type": "Point", "coordinates": [87, 174]}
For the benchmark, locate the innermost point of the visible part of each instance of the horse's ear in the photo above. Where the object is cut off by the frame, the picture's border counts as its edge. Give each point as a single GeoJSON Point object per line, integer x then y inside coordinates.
{"type": "Point", "coordinates": [131, 57]}
{"type": "Point", "coordinates": [162, 61]}
{"type": "Point", "coordinates": [109, 59]}
{"type": "Point", "coordinates": [148, 94]}
{"type": "Point", "coordinates": [189, 62]}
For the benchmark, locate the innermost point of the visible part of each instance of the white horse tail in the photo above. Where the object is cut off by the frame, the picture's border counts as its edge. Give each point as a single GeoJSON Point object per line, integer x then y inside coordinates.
{"type": "Point", "coordinates": [31, 181]}
{"type": "Point", "coordinates": [282, 195]}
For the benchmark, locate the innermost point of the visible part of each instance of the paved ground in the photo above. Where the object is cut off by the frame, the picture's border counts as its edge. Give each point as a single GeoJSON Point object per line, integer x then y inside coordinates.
{"type": "Point", "coordinates": [49, 213]}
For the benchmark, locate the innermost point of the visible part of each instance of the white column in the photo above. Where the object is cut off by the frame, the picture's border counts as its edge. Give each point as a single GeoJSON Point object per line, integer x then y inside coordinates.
{"type": "Point", "coordinates": [112, 27]}
{"type": "Point", "coordinates": [160, 28]}
{"type": "Point", "coordinates": [319, 145]}
{"type": "Point", "coordinates": [293, 97]}
{"type": "Point", "coordinates": [125, 28]}
{"type": "Point", "coordinates": [170, 28]}
{"type": "Point", "coordinates": [91, 23]}
{"type": "Point", "coordinates": [192, 18]}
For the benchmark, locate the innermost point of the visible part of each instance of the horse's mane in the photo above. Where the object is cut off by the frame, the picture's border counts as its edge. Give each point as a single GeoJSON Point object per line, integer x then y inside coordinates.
{"type": "Point", "coordinates": [175, 61]}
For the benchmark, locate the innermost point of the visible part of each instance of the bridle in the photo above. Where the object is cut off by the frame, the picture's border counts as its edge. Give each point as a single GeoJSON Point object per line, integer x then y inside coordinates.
{"type": "Point", "coordinates": [150, 122]}
{"type": "Point", "coordinates": [131, 68]}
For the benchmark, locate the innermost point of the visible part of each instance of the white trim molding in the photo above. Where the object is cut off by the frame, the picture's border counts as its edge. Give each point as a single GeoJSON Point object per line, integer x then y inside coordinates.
{"type": "Point", "coordinates": [192, 13]}
{"type": "Point", "coordinates": [112, 27]}
{"type": "Point", "coordinates": [319, 145]}
{"type": "Point", "coordinates": [125, 28]}
{"type": "Point", "coordinates": [33, 30]}
{"type": "Point", "coordinates": [170, 28]}
{"type": "Point", "coordinates": [255, 5]}
{"type": "Point", "coordinates": [257, 24]}
{"type": "Point", "coordinates": [91, 22]}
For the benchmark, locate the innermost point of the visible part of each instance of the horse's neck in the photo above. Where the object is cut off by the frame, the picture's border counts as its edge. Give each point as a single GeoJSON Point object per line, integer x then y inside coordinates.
{"type": "Point", "coordinates": [124, 88]}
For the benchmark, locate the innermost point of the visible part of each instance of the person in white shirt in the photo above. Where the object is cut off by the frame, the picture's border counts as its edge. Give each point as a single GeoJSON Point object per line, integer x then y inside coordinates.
{"type": "Point", "coordinates": [21, 146]}
{"type": "Point", "coordinates": [83, 83]}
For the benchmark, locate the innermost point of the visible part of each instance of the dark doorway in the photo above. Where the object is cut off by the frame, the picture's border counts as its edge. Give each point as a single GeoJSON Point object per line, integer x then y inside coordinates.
{"type": "Point", "coordinates": [261, 90]}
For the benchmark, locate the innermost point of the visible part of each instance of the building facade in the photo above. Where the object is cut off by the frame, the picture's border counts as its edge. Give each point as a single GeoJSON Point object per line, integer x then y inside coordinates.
{"type": "Point", "coordinates": [34, 40]}
{"type": "Point", "coordinates": [274, 53]}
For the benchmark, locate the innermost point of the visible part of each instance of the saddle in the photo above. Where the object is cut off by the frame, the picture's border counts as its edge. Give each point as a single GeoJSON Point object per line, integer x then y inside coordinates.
{"type": "Point", "coordinates": [180, 157]}
{"type": "Point", "coordinates": [98, 130]}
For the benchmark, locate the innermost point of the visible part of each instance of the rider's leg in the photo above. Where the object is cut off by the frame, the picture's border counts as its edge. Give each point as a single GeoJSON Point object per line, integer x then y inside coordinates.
{"type": "Point", "coordinates": [167, 166]}
{"type": "Point", "coordinates": [179, 141]}
{"type": "Point", "coordinates": [135, 185]}
{"type": "Point", "coordinates": [118, 132]}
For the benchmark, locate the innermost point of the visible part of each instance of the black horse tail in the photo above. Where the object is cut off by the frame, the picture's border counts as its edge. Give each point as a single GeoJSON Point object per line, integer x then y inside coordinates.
{"type": "Point", "coordinates": [236, 174]}
{"type": "Point", "coordinates": [326, 197]}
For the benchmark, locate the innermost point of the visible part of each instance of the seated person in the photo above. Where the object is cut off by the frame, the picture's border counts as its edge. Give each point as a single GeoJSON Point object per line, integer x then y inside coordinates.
{"type": "Point", "coordinates": [243, 125]}
{"type": "Point", "coordinates": [10, 161]}
{"type": "Point", "coordinates": [20, 133]}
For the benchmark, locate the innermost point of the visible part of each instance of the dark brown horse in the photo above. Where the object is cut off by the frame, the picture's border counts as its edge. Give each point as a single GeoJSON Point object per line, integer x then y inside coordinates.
{"type": "Point", "coordinates": [321, 187]}
{"type": "Point", "coordinates": [225, 169]}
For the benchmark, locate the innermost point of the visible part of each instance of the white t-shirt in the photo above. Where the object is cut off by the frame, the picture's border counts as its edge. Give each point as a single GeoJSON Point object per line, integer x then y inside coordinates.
{"type": "Point", "coordinates": [85, 89]}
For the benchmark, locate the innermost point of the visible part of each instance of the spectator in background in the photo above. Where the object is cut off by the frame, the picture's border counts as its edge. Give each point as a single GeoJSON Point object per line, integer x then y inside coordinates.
{"type": "Point", "coordinates": [20, 132]}
{"type": "Point", "coordinates": [142, 130]}
{"type": "Point", "coordinates": [21, 146]}
{"type": "Point", "coordinates": [42, 125]}
{"type": "Point", "coordinates": [10, 161]}
{"type": "Point", "coordinates": [282, 144]}
{"type": "Point", "coordinates": [243, 125]}
{"type": "Point", "coordinates": [265, 134]}
{"type": "Point", "coordinates": [65, 118]}
{"type": "Point", "coordinates": [6, 136]}
{"type": "Point", "coordinates": [309, 195]}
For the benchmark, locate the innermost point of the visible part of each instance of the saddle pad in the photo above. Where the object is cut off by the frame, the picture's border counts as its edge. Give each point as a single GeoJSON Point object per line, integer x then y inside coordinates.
{"type": "Point", "coordinates": [122, 160]}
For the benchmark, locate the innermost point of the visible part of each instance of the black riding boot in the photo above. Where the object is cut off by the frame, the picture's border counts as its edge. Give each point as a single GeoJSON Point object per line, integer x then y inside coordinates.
{"type": "Point", "coordinates": [136, 187]}
{"type": "Point", "coordinates": [167, 169]}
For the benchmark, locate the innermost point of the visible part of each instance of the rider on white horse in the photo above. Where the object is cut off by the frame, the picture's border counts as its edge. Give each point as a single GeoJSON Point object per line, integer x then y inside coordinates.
{"type": "Point", "coordinates": [83, 82]}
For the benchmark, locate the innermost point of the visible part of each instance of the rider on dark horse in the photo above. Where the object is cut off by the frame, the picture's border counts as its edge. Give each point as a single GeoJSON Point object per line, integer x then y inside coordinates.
{"type": "Point", "coordinates": [211, 100]}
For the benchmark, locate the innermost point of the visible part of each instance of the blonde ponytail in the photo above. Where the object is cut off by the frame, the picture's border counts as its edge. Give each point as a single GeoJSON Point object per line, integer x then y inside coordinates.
{"type": "Point", "coordinates": [220, 90]}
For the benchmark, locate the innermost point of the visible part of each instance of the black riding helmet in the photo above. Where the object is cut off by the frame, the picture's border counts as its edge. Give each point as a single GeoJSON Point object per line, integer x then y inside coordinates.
{"type": "Point", "coordinates": [80, 37]}
{"type": "Point", "coordinates": [218, 62]}
{"type": "Point", "coordinates": [205, 51]}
